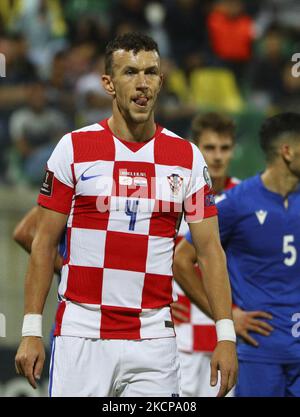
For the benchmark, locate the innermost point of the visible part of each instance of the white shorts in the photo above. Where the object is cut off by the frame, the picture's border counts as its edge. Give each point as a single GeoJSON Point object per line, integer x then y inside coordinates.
{"type": "Point", "coordinates": [114, 368]}
{"type": "Point", "coordinates": [195, 375]}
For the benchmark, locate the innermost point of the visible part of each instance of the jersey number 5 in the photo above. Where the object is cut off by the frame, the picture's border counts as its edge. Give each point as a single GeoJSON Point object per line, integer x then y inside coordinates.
{"type": "Point", "coordinates": [289, 248]}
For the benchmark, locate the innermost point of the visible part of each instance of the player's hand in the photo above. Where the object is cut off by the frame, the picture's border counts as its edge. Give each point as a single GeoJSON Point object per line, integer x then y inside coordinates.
{"type": "Point", "coordinates": [224, 359]}
{"type": "Point", "coordinates": [245, 321]}
{"type": "Point", "coordinates": [30, 359]}
{"type": "Point", "coordinates": [179, 312]}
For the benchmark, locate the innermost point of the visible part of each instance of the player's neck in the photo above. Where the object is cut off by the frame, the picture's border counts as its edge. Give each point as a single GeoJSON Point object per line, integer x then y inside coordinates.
{"type": "Point", "coordinates": [278, 181]}
{"type": "Point", "coordinates": [218, 184]}
{"type": "Point", "coordinates": [130, 131]}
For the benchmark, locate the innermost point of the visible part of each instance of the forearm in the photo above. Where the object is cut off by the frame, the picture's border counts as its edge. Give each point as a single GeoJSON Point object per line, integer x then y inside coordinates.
{"type": "Point", "coordinates": [188, 279]}
{"type": "Point", "coordinates": [58, 264]}
{"type": "Point", "coordinates": [39, 276]}
{"type": "Point", "coordinates": [216, 282]}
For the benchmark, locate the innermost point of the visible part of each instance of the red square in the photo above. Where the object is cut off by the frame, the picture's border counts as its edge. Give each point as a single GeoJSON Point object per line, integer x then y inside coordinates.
{"type": "Point", "coordinates": [120, 323]}
{"type": "Point", "coordinates": [184, 300]}
{"type": "Point", "coordinates": [126, 251]}
{"type": "Point", "coordinates": [84, 284]}
{"type": "Point", "coordinates": [173, 151]}
{"type": "Point", "coordinates": [93, 146]}
{"type": "Point", "coordinates": [91, 212]}
{"type": "Point", "coordinates": [134, 179]}
{"type": "Point", "coordinates": [157, 291]}
{"type": "Point", "coordinates": [205, 338]}
{"type": "Point", "coordinates": [164, 219]}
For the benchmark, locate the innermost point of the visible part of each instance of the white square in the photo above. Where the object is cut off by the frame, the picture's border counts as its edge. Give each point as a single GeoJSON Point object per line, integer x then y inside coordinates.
{"type": "Point", "coordinates": [94, 178]}
{"type": "Point", "coordinates": [130, 215]}
{"type": "Point", "coordinates": [122, 288]}
{"type": "Point", "coordinates": [160, 255]}
{"type": "Point", "coordinates": [87, 247]}
{"type": "Point", "coordinates": [144, 154]}
{"type": "Point", "coordinates": [81, 320]}
{"type": "Point", "coordinates": [198, 317]}
{"type": "Point", "coordinates": [184, 337]}
{"type": "Point", "coordinates": [153, 323]}
{"type": "Point", "coordinates": [163, 183]}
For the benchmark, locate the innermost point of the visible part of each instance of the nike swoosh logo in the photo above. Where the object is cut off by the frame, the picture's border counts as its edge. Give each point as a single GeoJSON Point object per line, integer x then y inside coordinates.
{"type": "Point", "coordinates": [83, 178]}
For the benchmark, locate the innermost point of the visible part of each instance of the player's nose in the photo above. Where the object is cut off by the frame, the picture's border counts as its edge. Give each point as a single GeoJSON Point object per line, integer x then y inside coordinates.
{"type": "Point", "coordinates": [141, 81]}
{"type": "Point", "coordinates": [218, 155]}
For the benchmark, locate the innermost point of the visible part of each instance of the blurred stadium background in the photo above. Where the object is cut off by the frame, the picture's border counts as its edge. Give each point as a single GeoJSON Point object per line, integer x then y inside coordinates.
{"type": "Point", "coordinates": [233, 56]}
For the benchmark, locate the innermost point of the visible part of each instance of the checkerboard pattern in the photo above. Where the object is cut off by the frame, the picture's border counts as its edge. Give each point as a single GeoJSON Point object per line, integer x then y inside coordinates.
{"type": "Point", "coordinates": [123, 218]}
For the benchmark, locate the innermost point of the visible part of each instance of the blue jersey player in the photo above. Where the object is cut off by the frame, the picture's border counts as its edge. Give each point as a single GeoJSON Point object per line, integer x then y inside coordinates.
{"type": "Point", "coordinates": [259, 224]}
{"type": "Point", "coordinates": [260, 229]}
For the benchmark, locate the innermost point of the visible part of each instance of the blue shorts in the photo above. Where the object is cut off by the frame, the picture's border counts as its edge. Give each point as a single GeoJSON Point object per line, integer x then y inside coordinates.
{"type": "Point", "coordinates": [268, 380]}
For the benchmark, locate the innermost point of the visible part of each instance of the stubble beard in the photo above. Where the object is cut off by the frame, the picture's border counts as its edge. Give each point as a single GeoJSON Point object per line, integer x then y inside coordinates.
{"type": "Point", "coordinates": [131, 117]}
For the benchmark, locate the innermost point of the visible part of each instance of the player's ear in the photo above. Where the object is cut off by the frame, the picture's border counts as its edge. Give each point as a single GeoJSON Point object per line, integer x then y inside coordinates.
{"type": "Point", "coordinates": [108, 84]}
{"type": "Point", "coordinates": [287, 152]}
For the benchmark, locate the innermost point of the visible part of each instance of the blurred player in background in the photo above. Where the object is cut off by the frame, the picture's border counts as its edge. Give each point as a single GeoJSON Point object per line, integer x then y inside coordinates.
{"type": "Point", "coordinates": [24, 234]}
{"type": "Point", "coordinates": [114, 330]}
{"type": "Point", "coordinates": [214, 134]}
{"type": "Point", "coordinates": [260, 230]}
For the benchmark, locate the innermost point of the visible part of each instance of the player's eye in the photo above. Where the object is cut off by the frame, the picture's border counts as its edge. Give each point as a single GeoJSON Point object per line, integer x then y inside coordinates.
{"type": "Point", "coordinates": [129, 71]}
{"type": "Point", "coordinates": [152, 71]}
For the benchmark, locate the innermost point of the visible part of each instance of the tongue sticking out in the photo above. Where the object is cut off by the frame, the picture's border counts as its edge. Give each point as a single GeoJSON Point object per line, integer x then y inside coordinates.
{"type": "Point", "coordinates": [142, 101]}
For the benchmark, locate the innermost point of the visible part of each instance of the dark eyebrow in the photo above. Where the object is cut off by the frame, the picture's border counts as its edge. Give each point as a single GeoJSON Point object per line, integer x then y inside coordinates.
{"type": "Point", "coordinates": [154, 67]}
{"type": "Point", "coordinates": [128, 67]}
{"type": "Point", "coordinates": [135, 69]}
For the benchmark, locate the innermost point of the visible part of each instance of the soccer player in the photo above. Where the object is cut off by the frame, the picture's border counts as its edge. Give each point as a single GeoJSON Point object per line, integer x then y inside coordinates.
{"type": "Point", "coordinates": [260, 230]}
{"type": "Point", "coordinates": [120, 185]}
{"type": "Point", "coordinates": [214, 134]}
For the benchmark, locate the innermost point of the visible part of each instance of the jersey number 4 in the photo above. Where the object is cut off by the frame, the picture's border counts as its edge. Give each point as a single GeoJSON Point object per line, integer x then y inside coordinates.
{"type": "Point", "coordinates": [290, 250]}
{"type": "Point", "coordinates": [131, 211]}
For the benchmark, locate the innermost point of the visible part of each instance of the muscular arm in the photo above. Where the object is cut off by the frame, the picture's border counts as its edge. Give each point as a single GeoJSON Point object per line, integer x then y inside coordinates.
{"type": "Point", "coordinates": [50, 226]}
{"type": "Point", "coordinates": [186, 276]}
{"type": "Point", "coordinates": [212, 262]}
{"type": "Point", "coordinates": [31, 353]}
{"type": "Point", "coordinates": [25, 231]}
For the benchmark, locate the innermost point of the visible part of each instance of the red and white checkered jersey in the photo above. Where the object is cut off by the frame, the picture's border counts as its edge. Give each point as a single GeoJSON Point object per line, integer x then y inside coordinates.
{"type": "Point", "coordinates": [199, 333]}
{"type": "Point", "coordinates": [124, 201]}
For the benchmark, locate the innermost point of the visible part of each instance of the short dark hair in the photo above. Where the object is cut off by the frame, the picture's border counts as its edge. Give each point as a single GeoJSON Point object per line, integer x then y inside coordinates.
{"type": "Point", "coordinates": [216, 122]}
{"type": "Point", "coordinates": [130, 41]}
{"type": "Point", "coordinates": [275, 128]}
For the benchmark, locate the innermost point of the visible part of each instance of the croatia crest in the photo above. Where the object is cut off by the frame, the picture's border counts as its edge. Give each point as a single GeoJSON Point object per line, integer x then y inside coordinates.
{"type": "Point", "coordinates": [175, 182]}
